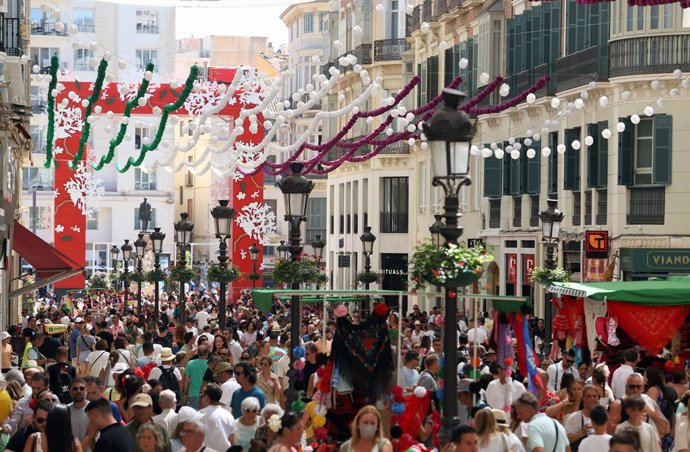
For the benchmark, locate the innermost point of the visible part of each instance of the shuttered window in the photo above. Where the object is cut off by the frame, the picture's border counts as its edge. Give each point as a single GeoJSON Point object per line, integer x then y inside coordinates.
{"type": "Point", "coordinates": [644, 151]}
{"type": "Point", "coordinates": [597, 156]}
{"type": "Point", "coordinates": [571, 164]}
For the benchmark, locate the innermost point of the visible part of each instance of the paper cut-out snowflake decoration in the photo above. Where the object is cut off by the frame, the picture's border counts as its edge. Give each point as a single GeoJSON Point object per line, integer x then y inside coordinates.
{"type": "Point", "coordinates": [59, 228]}
{"type": "Point", "coordinates": [258, 221]}
{"type": "Point", "coordinates": [241, 195]}
{"type": "Point", "coordinates": [68, 120]}
{"type": "Point", "coordinates": [83, 187]}
{"type": "Point", "coordinates": [208, 96]}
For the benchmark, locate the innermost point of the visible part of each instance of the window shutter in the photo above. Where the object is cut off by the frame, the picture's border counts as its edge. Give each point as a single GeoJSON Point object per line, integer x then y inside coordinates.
{"type": "Point", "coordinates": [515, 174]}
{"type": "Point", "coordinates": [537, 30]}
{"type": "Point", "coordinates": [626, 152]}
{"type": "Point", "coordinates": [511, 37]}
{"type": "Point", "coordinates": [555, 31]}
{"type": "Point", "coordinates": [603, 155]}
{"type": "Point", "coordinates": [663, 129]}
{"type": "Point", "coordinates": [593, 157]}
{"type": "Point", "coordinates": [492, 177]}
{"type": "Point", "coordinates": [419, 87]}
{"type": "Point", "coordinates": [571, 162]}
{"type": "Point", "coordinates": [449, 64]}
{"type": "Point", "coordinates": [520, 62]}
{"type": "Point", "coordinates": [432, 77]}
{"type": "Point", "coordinates": [534, 170]}
{"type": "Point", "coordinates": [529, 53]}
{"type": "Point", "coordinates": [571, 30]}
{"type": "Point", "coordinates": [507, 173]}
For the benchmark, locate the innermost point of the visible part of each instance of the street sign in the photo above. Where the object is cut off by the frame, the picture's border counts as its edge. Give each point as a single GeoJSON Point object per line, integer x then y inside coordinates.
{"type": "Point", "coordinates": [343, 261]}
{"type": "Point", "coordinates": [596, 244]}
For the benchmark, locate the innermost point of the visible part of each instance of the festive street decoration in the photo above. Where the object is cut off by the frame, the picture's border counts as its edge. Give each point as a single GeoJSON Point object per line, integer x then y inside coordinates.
{"type": "Point", "coordinates": [546, 276]}
{"type": "Point", "coordinates": [452, 266]}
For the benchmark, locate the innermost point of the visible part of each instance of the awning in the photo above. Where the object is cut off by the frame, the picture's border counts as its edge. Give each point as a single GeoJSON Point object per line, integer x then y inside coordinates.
{"type": "Point", "coordinates": [671, 291]}
{"type": "Point", "coordinates": [50, 264]}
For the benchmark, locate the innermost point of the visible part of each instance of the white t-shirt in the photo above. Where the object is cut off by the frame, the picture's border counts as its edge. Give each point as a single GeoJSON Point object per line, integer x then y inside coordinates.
{"type": "Point", "coordinates": [477, 335]}
{"type": "Point", "coordinates": [503, 442]}
{"type": "Point", "coordinates": [98, 360]}
{"type": "Point", "coordinates": [500, 395]}
{"type": "Point", "coordinates": [619, 379]}
{"type": "Point", "coordinates": [201, 319]}
{"type": "Point", "coordinates": [575, 422]}
{"type": "Point", "coordinates": [157, 349]}
{"type": "Point", "coordinates": [156, 373]}
{"type": "Point", "coordinates": [596, 443]}
{"type": "Point", "coordinates": [192, 330]}
{"type": "Point", "coordinates": [219, 426]}
{"type": "Point", "coordinates": [228, 388]}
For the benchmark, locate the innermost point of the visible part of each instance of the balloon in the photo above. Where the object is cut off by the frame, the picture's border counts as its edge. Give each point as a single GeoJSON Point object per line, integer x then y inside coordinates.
{"type": "Point", "coordinates": [439, 393]}
{"type": "Point", "coordinates": [298, 352]}
{"type": "Point", "coordinates": [317, 421]}
{"type": "Point", "coordinates": [299, 364]}
{"type": "Point", "coordinates": [298, 406]}
{"type": "Point", "coordinates": [340, 310]}
{"type": "Point", "coordinates": [420, 392]}
{"type": "Point", "coordinates": [398, 408]}
{"type": "Point", "coordinates": [509, 361]}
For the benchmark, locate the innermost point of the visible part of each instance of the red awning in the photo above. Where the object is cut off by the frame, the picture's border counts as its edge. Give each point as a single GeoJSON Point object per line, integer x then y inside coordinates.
{"type": "Point", "coordinates": [50, 264]}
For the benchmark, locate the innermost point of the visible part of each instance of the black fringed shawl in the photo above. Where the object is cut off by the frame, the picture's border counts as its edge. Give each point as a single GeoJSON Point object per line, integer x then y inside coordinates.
{"type": "Point", "coordinates": [363, 356]}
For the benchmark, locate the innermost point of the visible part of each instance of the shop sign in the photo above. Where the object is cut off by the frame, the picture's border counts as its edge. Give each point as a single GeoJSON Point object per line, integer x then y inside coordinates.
{"type": "Point", "coordinates": [511, 263]}
{"type": "Point", "coordinates": [473, 243]}
{"type": "Point", "coordinates": [527, 267]}
{"type": "Point", "coordinates": [596, 244]}
{"type": "Point", "coordinates": [655, 260]}
{"type": "Point", "coordinates": [594, 270]}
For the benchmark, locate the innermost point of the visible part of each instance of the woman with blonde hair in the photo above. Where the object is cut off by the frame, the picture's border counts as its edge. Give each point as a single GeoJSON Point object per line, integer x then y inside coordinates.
{"type": "Point", "coordinates": [367, 433]}
{"type": "Point", "coordinates": [491, 437]}
{"type": "Point", "coordinates": [148, 438]}
{"type": "Point", "coordinates": [572, 402]}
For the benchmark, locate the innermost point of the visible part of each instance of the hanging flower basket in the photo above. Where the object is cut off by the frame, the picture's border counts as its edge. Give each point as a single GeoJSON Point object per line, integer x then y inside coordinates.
{"type": "Point", "coordinates": [368, 277]}
{"type": "Point", "coordinates": [136, 277]}
{"type": "Point", "coordinates": [156, 275]}
{"type": "Point", "coordinates": [98, 281]}
{"type": "Point", "coordinates": [452, 266]}
{"type": "Point", "coordinates": [254, 276]}
{"type": "Point", "coordinates": [301, 271]}
{"type": "Point", "coordinates": [183, 274]}
{"type": "Point", "coordinates": [545, 276]}
{"type": "Point", "coordinates": [115, 276]}
{"type": "Point", "coordinates": [220, 274]}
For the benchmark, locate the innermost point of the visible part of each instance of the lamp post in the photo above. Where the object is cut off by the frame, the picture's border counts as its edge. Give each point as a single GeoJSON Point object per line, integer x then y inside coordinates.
{"type": "Point", "coordinates": [114, 255]}
{"type": "Point", "coordinates": [157, 238]}
{"type": "Point", "coordinates": [126, 256]}
{"type": "Point", "coordinates": [222, 217]}
{"type": "Point", "coordinates": [437, 239]}
{"type": "Point", "coordinates": [551, 227]}
{"type": "Point", "coordinates": [318, 245]}
{"type": "Point", "coordinates": [450, 133]}
{"type": "Point", "coordinates": [140, 246]}
{"type": "Point", "coordinates": [254, 256]}
{"type": "Point", "coordinates": [283, 250]}
{"type": "Point", "coordinates": [296, 189]}
{"type": "Point", "coordinates": [183, 231]}
{"type": "Point", "coordinates": [368, 240]}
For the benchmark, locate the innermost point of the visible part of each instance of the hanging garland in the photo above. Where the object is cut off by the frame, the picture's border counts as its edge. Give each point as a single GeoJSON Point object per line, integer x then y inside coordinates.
{"type": "Point", "coordinates": [54, 64]}
{"type": "Point", "coordinates": [221, 274]}
{"type": "Point", "coordinates": [92, 99]}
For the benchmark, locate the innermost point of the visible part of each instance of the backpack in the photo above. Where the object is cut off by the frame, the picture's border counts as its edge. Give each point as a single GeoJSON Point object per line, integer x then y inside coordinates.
{"type": "Point", "coordinates": [169, 381]}
{"type": "Point", "coordinates": [64, 380]}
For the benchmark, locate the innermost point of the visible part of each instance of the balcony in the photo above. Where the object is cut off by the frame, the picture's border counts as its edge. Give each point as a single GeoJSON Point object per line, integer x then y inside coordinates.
{"type": "Point", "coordinates": [580, 68]}
{"type": "Point", "coordinates": [390, 49]}
{"type": "Point", "coordinates": [46, 28]}
{"type": "Point", "coordinates": [427, 11]}
{"type": "Point", "coordinates": [649, 55]}
{"type": "Point", "coordinates": [110, 187]}
{"type": "Point", "coordinates": [414, 21]}
{"type": "Point", "coordinates": [363, 54]}
{"type": "Point", "coordinates": [646, 205]}
{"type": "Point", "coordinates": [523, 80]}
{"type": "Point", "coordinates": [10, 36]}
{"type": "Point", "coordinates": [441, 7]}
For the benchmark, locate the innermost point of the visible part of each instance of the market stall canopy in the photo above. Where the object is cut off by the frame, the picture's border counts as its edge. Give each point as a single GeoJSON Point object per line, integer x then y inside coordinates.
{"type": "Point", "coordinates": [671, 291]}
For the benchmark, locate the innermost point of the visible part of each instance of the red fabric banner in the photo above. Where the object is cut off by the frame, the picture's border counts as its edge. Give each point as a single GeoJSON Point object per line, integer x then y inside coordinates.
{"type": "Point", "coordinates": [573, 308]}
{"type": "Point", "coordinates": [650, 326]}
{"type": "Point", "coordinates": [511, 263]}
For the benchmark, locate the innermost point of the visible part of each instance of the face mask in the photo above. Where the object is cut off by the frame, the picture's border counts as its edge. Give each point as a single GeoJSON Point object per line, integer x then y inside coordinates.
{"type": "Point", "coordinates": [367, 431]}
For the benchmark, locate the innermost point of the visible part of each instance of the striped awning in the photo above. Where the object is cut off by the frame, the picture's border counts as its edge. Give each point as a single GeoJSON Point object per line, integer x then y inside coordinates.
{"type": "Point", "coordinates": [567, 290]}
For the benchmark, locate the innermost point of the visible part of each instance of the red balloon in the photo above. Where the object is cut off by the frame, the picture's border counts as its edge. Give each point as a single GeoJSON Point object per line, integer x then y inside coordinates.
{"type": "Point", "coordinates": [509, 361]}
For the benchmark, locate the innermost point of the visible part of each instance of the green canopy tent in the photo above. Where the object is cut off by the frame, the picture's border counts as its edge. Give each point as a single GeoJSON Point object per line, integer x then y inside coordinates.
{"type": "Point", "coordinates": [671, 291]}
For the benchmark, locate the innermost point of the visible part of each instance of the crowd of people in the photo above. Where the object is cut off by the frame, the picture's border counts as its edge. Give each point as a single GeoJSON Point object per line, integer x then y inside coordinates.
{"type": "Point", "coordinates": [118, 380]}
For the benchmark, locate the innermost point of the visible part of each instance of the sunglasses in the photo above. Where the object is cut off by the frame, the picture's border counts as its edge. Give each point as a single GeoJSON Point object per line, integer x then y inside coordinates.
{"type": "Point", "coordinates": [79, 388]}
{"type": "Point", "coordinates": [41, 420]}
{"type": "Point", "coordinates": [251, 411]}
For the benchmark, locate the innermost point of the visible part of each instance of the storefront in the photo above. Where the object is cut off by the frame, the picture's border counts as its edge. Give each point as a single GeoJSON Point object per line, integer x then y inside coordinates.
{"type": "Point", "coordinates": [645, 263]}
{"type": "Point", "coordinates": [394, 274]}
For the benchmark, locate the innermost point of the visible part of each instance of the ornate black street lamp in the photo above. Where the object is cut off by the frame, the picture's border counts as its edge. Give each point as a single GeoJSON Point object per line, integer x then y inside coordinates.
{"type": "Point", "coordinates": [318, 245]}
{"type": "Point", "coordinates": [368, 240]}
{"type": "Point", "coordinates": [140, 245]}
{"type": "Point", "coordinates": [114, 255]}
{"type": "Point", "coordinates": [183, 232]}
{"type": "Point", "coordinates": [222, 217]}
{"type": "Point", "coordinates": [450, 133]}
{"type": "Point", "coordinates": [296, 190]}
{"type": "Point", "coordinates": [126, 256]}
{"type": "Point", "coordinates": [551, 227]}
{"type": "Point", "coordinates": [283, 250]}
{"type": "Point", "coordinates": [254, 256]}
{"type": "Point", "coordinates": [157, 238]}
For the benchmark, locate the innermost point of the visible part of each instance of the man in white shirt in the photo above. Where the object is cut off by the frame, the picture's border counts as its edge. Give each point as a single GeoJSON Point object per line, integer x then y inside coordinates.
{"type": "Point", "coordinates": [219, 423]}
{"type": "Point", "coordinates": [565, 366]}
{"type": "Point", "coordinates": [201, 319]}
{"type": "Point", "coordinates": [599, 441]}
{"type": "Point", "coordinates": [410, 374]}
{"type": "Point", "coordinates": [620, 375]}
{"type": "Point", "coordinates": [190, 328]}
{"type": "Point", "coordinates": [234, 347]}
{"type": "Point", "coordinates": [223, 374]}
{"type": "Point", "coordinates": [168, 417]}
{"type": "Point", "coordinates": [477, 334]}
{"type": "Point", "coordinates": [503, 391]}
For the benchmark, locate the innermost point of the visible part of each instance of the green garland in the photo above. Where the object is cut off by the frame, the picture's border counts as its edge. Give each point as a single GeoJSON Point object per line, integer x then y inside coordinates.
{"type": "Point", "coordinates": [368, 277]}
{"type": "Point", "coordinates": [136, 277]}
{"type": "Point", "coordinates": [93, 98]}
{"type": "Point", "coordinates": [217, 273]}
{"type": "Point", "coordinates": [54, 64]}
{"type": "Point", "coordinates": [189, 84]}
{"type": "Point", "coordinates": [302, 271]}
{"type": "Point", "coordinates": [452, 266]}
{"type": "Point", "coordinates": [143, 87]}
{"type": "Point", "coordinates": [156, 275]}
{"type": "Point", "coordinates": [545, 276]}
{"type": "Point", "coordinates": [254, 276]}
{"type": "Point", "coordinates": [184, 274]}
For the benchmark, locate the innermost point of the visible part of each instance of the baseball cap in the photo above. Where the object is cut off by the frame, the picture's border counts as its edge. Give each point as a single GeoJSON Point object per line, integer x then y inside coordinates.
{"type": "Point", "coordinates": [79, 320]}
{"type": "Point", "coordinates": [142, 400]}
{"type": "Point", "coordinates": [118, 368]}
{"type": "Point", "coordinates": [464, 385]}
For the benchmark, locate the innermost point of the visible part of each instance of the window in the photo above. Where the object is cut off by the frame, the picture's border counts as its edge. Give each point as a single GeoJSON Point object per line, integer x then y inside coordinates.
{"type": "Point", "coordinates": [685, 23]}
{"type": "Point", "coordinates": [571, 164]}
{"type": "Point", "coordinates": [517, 211]}
{"type": "Point", "coordinates": [588, 207]}
{"type": "Point", "coordinates": [534, 211]}
{"type": "Point", "coordinates": [316, 223]}
{"type": "Point", "coordinates": [38, 139]}
{"type": "Point", "coordinates": [39, 99]}
{"type": "Point", "coordinates": [577, 208]}
{"type": "Point", "coordinates": [644, 151]}
{"type": "Point", "coordinates": [42, 55]}
{"type": "Point", "coordinates": [597, 156]}
{"type": "Point", "coordinates": [37, 178]}
{"type": "Point", "coordinates": [423, 184]}
{"type": "Point", "coordinates": [393, 20]}
{"type": "Point", "coordinates": [37, 215]}
{"type": "Point", "coordinates": [147, 22]}
{"type": "Point", "coordinates": [92, 221]}
{"type": "Point", "coordinates": [323, 21]}
{"type": "Point", "coordinates": [42, 23]}
{"type": "Point", "coordinates": [495, 213]}
{"type": "Point", "coordinates": [668, 15]}
{"type": "Point", "coordinates": [630, 18]}
{"type": "Point", "coordinates": [144, 181]}
{"type": "Point", "coordinates": [83, 19]}
{"type": "Point", "coordinates": [189, 177]}
{"type": "Point", "coordinates": [394, 204]}
{"type": "Point", "coordinates": [646, 205]}
{"type": "Point", "coordinates": [482, 39]}
{"type": "Point", "coordinates": [640, 18]}
{"type": "Point", "coordinates": [654, 17]}
{"type": "Point", "coordinates": [81, 59]}
{"type": "Point", "coordinates": [493, 177]}
{"type": "Point", "coordinates": [587, 25]}
{"type": "Point", "coordinates": [137, 222]}
{"type": "Point", "coordinates": [141, 136]}
{"type": "Point", "coordinates": [308, 19]}
{"type": "Point", "coordinates": [146, 56]}
{"type": "Point", "coordinates": [602, 206]}
{"type": "Point", "coordinates": [552, 185]}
